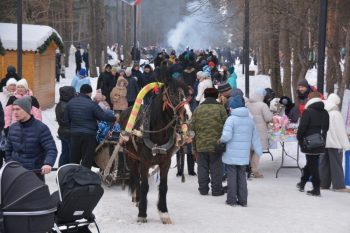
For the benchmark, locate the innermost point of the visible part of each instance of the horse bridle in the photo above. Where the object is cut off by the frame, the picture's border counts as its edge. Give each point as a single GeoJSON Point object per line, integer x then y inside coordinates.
{"type": "Point", "coordinates": [170, 104]}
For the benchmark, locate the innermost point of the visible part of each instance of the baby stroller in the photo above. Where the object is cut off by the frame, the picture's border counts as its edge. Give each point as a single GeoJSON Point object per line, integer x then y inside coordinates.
{"type": "Point", "coordinates": [79, 191]}
{"type": "Point", "coordinates": [26, 204]}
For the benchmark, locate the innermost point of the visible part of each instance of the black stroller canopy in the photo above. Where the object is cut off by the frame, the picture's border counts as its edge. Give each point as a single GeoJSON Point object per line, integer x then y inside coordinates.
{"type": "Point", "coordinates": [72, 175]}
{"type": "Point", "coordinates": [22, 190]}
{"type": "Point", "coordinates": [26, 204]}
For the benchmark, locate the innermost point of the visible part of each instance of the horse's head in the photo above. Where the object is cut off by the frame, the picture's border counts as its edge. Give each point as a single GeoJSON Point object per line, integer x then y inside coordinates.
{"type": "Point", "coordinates": [176, 98]}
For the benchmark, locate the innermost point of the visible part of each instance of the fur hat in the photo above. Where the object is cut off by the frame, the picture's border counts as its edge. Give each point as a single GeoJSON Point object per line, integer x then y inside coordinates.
{"type": "Point", "coordinates": [22, 83]}
{"type": "Point", "coordinates": [24, 103]}
{"type": "Point", "coordinates": [11, 81]}
{"type": "Point", "coordinates": [211, 92]}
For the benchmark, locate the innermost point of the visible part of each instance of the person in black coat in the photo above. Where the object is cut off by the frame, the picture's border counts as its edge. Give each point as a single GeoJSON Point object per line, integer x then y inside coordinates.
{"type": "Point", "coordinates": [78, 60]}
{"type": "Point", "coordinates": [66, 94]}
{"type": "Point", "coordinates": [11, 73]}
{"type": "Point", "coordinates": [106, 82]}
{"type": "Point", "coordinates": [29, 141]}
{"type": "Point", "coordinates": [82, 115]}
{"type": "Point", "coordinates": [291, 110]}
{"type": "Point", "coordinates": [135, 72]}
{"type": "Point", "coordinates": [314, 120]}
{"type": "Point", "coordinates": [86, 61]}
{"type": "Point", "coordinates": [133, 87]}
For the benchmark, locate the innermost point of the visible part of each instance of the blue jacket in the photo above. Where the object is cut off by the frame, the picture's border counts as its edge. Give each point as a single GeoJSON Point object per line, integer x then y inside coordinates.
{"type": "Point", "coordinates": [82, 114]}
{"type": "Point", "coordinates": [77, 82]}
{"type": "Point", "coordinates": [240, 135]}
{"type": "Point", "coordinates": [31, 144]}
{"type": "Point", "coordinates": [232, 80]}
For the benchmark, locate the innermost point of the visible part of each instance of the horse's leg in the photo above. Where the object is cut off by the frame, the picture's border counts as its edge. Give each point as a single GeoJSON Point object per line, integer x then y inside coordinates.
{"type": "Point", "coordinates": [163, 189]}
{"type": "Point", "coordinates": [142, 217]}
{"type": "Point", "coordinates": [134, 184]}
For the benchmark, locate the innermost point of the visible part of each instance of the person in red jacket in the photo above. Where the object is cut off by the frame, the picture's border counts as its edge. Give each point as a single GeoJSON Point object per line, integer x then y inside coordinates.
{"type": "Point", "coordinates": [303, 91]}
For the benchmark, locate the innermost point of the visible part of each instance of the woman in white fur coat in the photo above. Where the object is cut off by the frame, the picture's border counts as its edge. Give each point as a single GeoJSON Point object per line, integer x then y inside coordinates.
{"type": "Point", "coordinates": [331, 163]}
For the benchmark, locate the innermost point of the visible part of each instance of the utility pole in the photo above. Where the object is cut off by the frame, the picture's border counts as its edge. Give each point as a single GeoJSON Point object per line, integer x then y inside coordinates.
{"type": "Point", "coordinates": [321, 45]}
{"type": "Point", "coordinates": [19, 38]}
{"type": "Point", "coordinates": [246, 47]}
{"type": "Point", "coordinates": [135, 35]}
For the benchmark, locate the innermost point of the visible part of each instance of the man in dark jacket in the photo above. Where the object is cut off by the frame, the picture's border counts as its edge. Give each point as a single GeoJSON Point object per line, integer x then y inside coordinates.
{"type": "Point", "coordinates": [137, 73]}
{"type": "Point", "coordinates": [304, 89]}
{"type": "Point", "coordinates": [78, 60]}
{"type": "Point", "coordinates": [106, 82]}
{"type": "Point", "coordinates": [11, 73]}
{"type": "Point", "coordinates": [133, 87]}
{"type": "Point", "coordinates": [315, 120]}
{"type": "Point", "coordinates": [82, 114]}
{"type": "Point", "coordinates": [29, 141]}
{"type": "Point", "coordinates": [66, 94]}
{"type": "Point", "coordinates": [86, 61]}
{"type": "Point", "coordinates": [207, 123]}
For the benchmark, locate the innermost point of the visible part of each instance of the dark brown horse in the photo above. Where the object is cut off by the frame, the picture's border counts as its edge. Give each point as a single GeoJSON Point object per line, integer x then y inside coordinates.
{"type": "Point", "coordinates": [160, 123]}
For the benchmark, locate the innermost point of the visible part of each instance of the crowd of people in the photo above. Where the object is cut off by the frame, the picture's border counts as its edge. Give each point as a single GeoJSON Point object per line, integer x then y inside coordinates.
{"type": "Point", "coordinates": [221, 116]}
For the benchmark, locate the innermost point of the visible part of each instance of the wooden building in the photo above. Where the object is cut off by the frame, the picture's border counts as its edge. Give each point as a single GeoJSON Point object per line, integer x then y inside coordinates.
{"type": "Point", "coordinates": [39, 58]}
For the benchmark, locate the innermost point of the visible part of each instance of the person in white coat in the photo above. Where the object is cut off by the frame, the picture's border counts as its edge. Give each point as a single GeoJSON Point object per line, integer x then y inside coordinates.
{"type": "Point", "coordinates": [204, 83]}
{"type": "Point", "coordinates": [8, 91]}
{"type": "Point", "coordinates": [262, 116]}
{"type": "Point", "coordinates": [331, 163]}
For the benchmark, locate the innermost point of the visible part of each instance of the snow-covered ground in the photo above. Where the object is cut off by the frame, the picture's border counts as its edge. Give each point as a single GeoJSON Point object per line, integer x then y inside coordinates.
{"type": "Point", "coordinates": [274, 205]}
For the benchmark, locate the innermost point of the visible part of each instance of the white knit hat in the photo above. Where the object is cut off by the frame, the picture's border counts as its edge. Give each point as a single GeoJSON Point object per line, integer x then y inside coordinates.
{"type": "Point", "coordinates": [22, 83]}
{"type": "Point", "coordinates": [11, 81]}
{"type": "Point", "coordinates": [128, 70]}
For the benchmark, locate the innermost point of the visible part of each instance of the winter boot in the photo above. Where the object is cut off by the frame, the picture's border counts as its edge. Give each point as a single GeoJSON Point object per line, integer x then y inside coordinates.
{"type": "Point", "coordinates": [314, 192]}
{"type": "Point", "coordinates": [301, 186]}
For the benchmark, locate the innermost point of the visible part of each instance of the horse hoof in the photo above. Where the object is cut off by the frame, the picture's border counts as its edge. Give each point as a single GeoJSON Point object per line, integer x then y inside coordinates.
{"type": "Point", "coordinates": [142, 219]}
{"type": "Point", "coordinates": [165, 218]}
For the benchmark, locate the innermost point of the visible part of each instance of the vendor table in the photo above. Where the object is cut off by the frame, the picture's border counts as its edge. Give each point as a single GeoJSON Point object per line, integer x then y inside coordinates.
{"type": "Point", "coordinates": [282, 140]}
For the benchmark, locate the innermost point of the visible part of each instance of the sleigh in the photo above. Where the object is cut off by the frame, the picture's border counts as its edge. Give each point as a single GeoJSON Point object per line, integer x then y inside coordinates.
{"type": "Point", "coordinates": [107, 159]}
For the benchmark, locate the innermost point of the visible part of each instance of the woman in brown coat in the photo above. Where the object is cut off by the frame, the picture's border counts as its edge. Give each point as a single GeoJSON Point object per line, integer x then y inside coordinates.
{"type": "Point", "coordinates": [118, 95]}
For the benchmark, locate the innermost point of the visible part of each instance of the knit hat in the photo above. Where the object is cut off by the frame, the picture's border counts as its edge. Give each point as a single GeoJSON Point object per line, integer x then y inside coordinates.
{"type": "Point", "coordinates": [11, 70]}
{"type": "Point", "coordinates": [22, 83]}
{"type": "Point", "coordinates": [147, 66]}
{"type": "Point", "coordinates": [211, 92]}
{"type": "Point", "coordinates": [211, 64]}
{"type": "Point", "coordinates": [236, 92]}
{"type": "Point", "coordinates": [231, 70]}
{"type": "Point", "coordinates": [128, 70]}
{"type": "Point", "coordinates": [86, 89]}
{"type": "Point", "coordinates": [303, 83]}
{"type": "Point", "coordinates": [24, 103]}
{"type": "Point", "coordinates": [236, 102]}
{"type": "Point", "coordinates": [82, 72]}
{"type": "Point", "coordinates": [11, 81]}
{"type": "Point", "coordinates": [224, 87]}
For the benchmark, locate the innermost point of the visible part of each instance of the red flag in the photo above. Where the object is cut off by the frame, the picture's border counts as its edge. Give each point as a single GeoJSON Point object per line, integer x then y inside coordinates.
{"type": "Point", "coordinates": [132, 2]}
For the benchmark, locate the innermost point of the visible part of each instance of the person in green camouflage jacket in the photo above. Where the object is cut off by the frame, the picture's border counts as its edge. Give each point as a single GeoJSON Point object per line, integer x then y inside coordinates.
{"type": "Point", "coordinates": [207, 122]}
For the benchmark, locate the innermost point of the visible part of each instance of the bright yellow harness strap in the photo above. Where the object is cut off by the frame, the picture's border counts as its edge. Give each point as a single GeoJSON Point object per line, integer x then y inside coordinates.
{"type": "Point", "coordinates": [138, 102]}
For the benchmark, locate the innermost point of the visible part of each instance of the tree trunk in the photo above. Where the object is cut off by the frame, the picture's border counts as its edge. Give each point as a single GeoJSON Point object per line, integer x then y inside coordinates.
{"type": "Point", "coordinates": [285, 48]}
{"type": "Point", "coordinates": [346, 75]}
